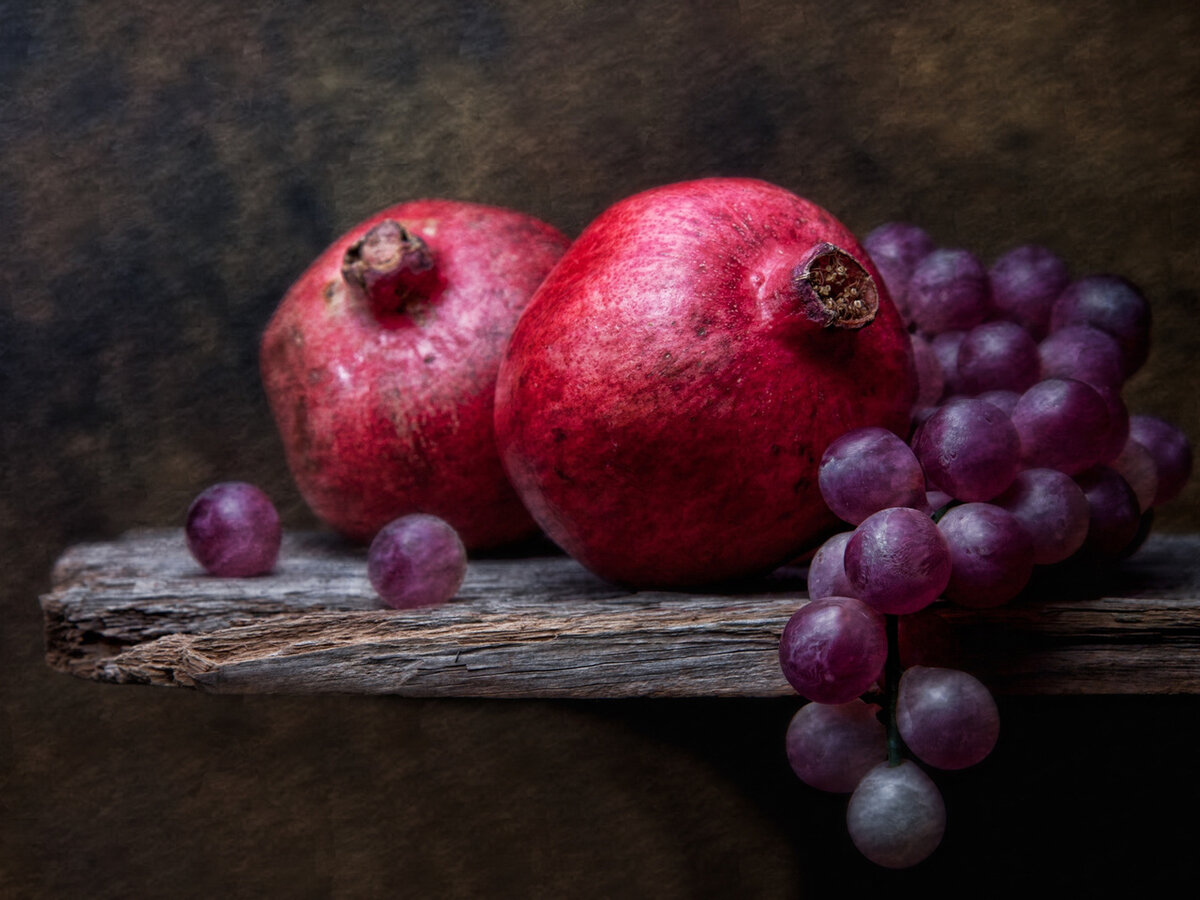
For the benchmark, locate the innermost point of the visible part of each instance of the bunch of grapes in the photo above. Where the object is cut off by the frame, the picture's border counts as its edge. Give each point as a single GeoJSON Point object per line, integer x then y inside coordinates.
{"type": "Point", "coordinates": [1023, 455]}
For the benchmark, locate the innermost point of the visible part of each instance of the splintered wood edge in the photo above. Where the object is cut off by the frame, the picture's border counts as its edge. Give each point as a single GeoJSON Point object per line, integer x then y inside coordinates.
{"type": "Point", "coordinates": [139, 610]}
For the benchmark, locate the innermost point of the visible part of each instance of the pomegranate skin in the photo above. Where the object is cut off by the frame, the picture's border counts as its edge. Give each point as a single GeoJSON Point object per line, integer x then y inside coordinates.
{"type": "Point", "coordinates": [666, 397]}
{"type": "Point", "coordinates": [386, 409]}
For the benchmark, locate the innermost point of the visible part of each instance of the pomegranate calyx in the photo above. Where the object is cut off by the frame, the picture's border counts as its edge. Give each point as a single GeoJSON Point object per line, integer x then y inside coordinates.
{"type": "Point", "coordinates": [393, 268]}
{"type": "Point", "coordinates": [836, 290]}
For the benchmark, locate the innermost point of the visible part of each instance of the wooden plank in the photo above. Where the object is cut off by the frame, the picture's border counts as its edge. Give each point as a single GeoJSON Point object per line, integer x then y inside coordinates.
{"type": "Point", "coordinates": [139, 610]}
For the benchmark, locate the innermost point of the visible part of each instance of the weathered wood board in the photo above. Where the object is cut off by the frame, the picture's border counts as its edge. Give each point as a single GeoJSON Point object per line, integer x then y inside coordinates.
{"type": "Point", "coordinates": [139, 610]}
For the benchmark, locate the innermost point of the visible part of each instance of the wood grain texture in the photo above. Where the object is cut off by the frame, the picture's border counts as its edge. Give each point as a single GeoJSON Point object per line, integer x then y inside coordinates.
{"type": "Point", "coordinates": [139, 610]}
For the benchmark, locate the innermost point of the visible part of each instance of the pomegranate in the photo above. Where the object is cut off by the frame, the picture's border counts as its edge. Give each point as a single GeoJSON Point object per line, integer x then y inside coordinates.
{"type": "Point", "coordinates": [380, 367]}
{"type": "Point", "coordinates": [669, 391]}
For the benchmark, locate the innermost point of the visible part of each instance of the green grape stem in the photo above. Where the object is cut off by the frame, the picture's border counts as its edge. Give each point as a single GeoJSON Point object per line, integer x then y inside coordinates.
{"type": "Point", "coordinates": [891, 670]}
{"type": "Point", "coordinates": [938, 513]}
{"type": "Point", "coordinates": [891, 676]}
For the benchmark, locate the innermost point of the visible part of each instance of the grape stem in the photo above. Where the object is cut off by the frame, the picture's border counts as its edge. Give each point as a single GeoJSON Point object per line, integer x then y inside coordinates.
{"type": "Point", "coordinates": [891, 676]}
{"type": "Point", "coordinates": [938, 513]}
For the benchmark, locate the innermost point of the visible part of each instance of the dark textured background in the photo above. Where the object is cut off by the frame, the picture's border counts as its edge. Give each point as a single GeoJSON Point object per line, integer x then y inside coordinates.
{"type": "Point", "coordinates": [166, 169]}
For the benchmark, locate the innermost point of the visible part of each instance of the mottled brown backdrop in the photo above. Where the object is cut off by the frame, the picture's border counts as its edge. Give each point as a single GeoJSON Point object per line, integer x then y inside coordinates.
{"type": "Point", "coordinates": [166, 169]}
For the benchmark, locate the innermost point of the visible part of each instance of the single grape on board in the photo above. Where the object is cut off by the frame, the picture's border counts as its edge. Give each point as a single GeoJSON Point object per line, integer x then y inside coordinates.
{"type": "Point", "coordinates": [233, 530]}
{"type": "Point", "coordinates": [416, 560]}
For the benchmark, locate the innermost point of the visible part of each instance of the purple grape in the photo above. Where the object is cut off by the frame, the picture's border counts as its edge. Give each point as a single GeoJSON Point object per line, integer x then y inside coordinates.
{"type": "Point", "coordinates": [1052, 508]}
{"type": "Point", "coordinates": [935, 500]}
{"type": "Point", "coordinates": [948, 292]}
{"type": "Point", "coordinates": [1083, 353]}
{"type": "Point", "coordinates": [1025, 282]}
{"type": "Point", "coordinates": [1171, 450]}
{"type": "Point", "coordinates": [832, 650]}
{"type": "Point", "coordinates": [827, 569]}
{"type": "Point", "coordinates": [947, 718]}
{"type": "Point", "coordinates": [1113, 514]}
{"type": "Point", "coordinates": [901, 242]}
{"type": "Point", "coordinates": [1005, 401]}
{"type": "Point", "coordinates": [1062, 424]}
{"type": "Point", "coordinates": [945, 350]}
{"type": "Point", "coordinates": [895, 248]}
{"type": "Point", "coordinates": [1118, 424]}
{"type": "Point", "coordinates": [969, 449]}
{"type": "Point", "coordinates": [1136, 466]}
{"type": "Point", "coordinates": [997, 356]}
{"type": "Point", "coordinates": [233, 530]}
{"type": "Point", "coordinates": [897, 561]}
{"type": "Point", "coordinates": [955, 398]}
{"type": "Point", "coordinates": [866, 470]}
{"type": "Point", "coordinates": [1113, 305]}
{"type": "Point", "coordinates": [1145, 526]}
{"type": "Point", "coordinates": [931, 383]}
{"type": "Point", "coordinates": [991, 555]}
{"type": "Point", "coordinates": [896, 816]}
{"type": "Point", "coordinates": [921, 415]}
{"type": "Point", "coordinates": [416, 560]}
{"type": "Point", "coordinates": [832, 746]}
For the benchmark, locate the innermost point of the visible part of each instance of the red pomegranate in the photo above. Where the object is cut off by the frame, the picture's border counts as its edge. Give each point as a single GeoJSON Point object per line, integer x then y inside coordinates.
{"type": "Point", "coordinates": [666, 397]}
{"type": "Point", "coordinates": [380, 367]}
